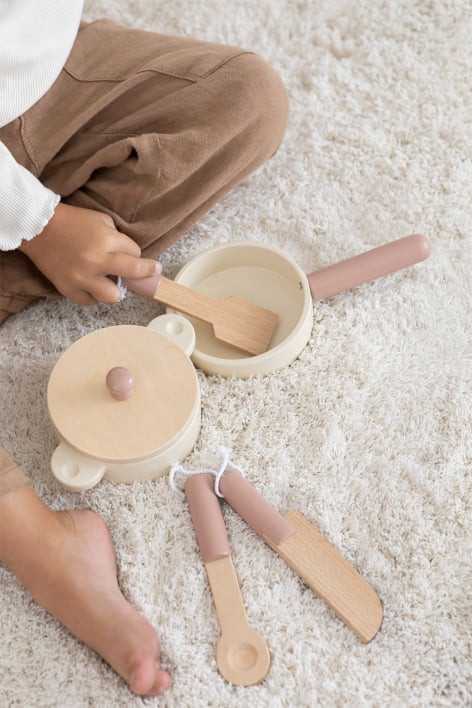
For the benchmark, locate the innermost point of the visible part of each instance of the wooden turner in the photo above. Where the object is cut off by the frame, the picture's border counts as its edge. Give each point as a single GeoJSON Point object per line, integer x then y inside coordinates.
{"type": "Point", "coordinates": [237, 322]}
{"type": "Point", "coordinates": [310, 555]}
{"type": "Point", "coordinates": [242, 654]}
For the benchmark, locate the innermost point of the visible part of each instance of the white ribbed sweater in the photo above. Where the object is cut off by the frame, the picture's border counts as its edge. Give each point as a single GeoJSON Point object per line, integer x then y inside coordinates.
{"type": "Point", "coordinates": [36, 37]}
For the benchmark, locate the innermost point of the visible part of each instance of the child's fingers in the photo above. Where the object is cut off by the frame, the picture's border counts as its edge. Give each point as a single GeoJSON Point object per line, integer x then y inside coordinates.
{"type": "Point", "coordinates": [121, 243]}
{"type": "Point", "coordinates": [103, 290]}
{"type": "Point", "coordinates": [125, 266]}
{"type": "Point", "coordinates": [81, 297]}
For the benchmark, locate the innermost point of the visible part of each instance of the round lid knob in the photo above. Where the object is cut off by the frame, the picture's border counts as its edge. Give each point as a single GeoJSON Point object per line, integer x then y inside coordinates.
{"type": "Point", "coordinates": [123, 393]}
{"type": "Point", "coordinates": [120, 382]}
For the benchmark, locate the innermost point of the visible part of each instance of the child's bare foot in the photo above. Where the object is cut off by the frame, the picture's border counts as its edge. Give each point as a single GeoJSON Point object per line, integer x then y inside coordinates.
{"type": "Point", "coordinates": [3, 315]}
{"type": "Point", "coordinates": [71, 572]}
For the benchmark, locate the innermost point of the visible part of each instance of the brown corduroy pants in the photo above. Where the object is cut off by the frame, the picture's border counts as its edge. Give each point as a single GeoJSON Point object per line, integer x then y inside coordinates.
{"type": "Point", "coordinates": [150, 129]}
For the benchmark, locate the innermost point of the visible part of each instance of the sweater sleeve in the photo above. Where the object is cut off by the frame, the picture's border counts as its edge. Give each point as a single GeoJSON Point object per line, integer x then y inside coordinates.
{"type": "Point", "coordinates": [26, 205]}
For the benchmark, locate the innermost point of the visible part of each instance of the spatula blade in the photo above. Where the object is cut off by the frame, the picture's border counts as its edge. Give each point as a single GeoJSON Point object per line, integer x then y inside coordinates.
{"type": "Point", "coordinates": [331, 577]}
{"type": "Point", "coordinates": [245, 326]}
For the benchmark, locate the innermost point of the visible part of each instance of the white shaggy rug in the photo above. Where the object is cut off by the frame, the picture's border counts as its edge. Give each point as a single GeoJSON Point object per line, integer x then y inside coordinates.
{"type": "Point", "coordinates": [367, 433]}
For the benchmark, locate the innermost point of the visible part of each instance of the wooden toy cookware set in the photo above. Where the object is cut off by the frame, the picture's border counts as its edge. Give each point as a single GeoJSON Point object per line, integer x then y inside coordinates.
{"type": "Point", "coordinates": [125, 401]}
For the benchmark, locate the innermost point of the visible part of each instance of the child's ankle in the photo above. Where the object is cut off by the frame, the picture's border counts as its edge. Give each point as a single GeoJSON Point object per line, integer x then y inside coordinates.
{"type": "Point", "coordinates": [24, 520]}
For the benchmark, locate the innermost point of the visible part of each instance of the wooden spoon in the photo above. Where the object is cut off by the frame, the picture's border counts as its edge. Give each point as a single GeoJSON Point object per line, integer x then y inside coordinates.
{"type": "Point", "coordinates": [242, 654]}
{"type": "Point", "coordinates": [237, 322]}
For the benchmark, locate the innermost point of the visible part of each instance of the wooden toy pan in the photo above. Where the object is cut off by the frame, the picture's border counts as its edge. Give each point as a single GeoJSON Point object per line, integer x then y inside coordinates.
{"type": "Point", "coordinates": [270, 278]}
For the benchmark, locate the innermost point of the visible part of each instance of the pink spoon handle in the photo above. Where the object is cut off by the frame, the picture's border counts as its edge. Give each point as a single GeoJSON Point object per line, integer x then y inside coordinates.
{"type": "Point", "coordinates": [368, 266]}
{"type": "Point", "coordinates": [207, 518]}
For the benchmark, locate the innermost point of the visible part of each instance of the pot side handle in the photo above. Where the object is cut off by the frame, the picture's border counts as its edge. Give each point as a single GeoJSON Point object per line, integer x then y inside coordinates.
{"type": "Point", "coordinates": [177, 328]}
{"type": "Point", "coordinates": [73, 471]}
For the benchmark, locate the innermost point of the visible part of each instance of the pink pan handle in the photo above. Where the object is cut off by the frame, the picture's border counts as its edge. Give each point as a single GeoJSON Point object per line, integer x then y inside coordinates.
{"type": "Point", "coordinates": [207, 517]}
{"type": "Point", "coordinates": [368, 266]}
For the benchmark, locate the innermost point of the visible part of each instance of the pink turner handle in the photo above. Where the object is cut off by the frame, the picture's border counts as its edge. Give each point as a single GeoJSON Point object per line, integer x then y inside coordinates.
{"type": "Point", "coordinates": [254, 509]}
{"type": "Point", "coordinates": [207, 517]}
{"type": "Point", "coordinates": [368, 266]}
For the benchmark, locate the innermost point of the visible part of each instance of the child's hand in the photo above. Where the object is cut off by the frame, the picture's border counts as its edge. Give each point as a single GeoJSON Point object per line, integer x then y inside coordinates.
{"type": "Point", "coordinates": [79, 248]}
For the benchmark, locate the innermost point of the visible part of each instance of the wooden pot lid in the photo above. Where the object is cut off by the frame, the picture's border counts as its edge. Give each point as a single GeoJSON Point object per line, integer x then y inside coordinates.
{"type": "Point", "coordinates": [162, 400]}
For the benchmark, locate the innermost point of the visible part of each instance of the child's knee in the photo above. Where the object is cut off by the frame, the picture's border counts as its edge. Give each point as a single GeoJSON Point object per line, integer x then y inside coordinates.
{"type": "Point", "coordinates": [258, 97]}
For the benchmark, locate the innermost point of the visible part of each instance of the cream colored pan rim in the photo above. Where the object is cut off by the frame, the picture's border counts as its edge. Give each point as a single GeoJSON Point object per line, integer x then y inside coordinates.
{"type": "Point", "coordinates": [262, 274]}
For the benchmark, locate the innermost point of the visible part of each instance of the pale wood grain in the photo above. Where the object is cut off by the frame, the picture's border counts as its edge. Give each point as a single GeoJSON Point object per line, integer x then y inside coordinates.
{"type": "Point", "coordinates": [242, 655]}
{"type": "Point", "coordinates": [237, 322]}
{"type": "Point", "coordinates": [331, 577]}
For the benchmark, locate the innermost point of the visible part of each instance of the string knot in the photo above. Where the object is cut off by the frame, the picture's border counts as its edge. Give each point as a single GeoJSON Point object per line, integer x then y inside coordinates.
{"type": "Point", "coordinates": [178, 472]}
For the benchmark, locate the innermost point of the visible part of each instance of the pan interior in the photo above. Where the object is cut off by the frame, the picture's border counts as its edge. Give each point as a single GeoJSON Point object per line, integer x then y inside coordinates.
{"type": "Point", "coordinates": [264, 287]}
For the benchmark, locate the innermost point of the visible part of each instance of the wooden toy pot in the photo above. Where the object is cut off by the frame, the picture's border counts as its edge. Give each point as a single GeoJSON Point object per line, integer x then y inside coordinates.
{"type": "Point", "coordinates": [125, 404]}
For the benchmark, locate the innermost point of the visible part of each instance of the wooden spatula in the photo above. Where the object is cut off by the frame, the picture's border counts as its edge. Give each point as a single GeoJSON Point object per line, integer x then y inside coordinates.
{"type": "Point", "coordinates": [237, 322]}
{"type": "Point", "coordinates": [310, 555]}
{"type": "Point", "coordinates": [242, 654]}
